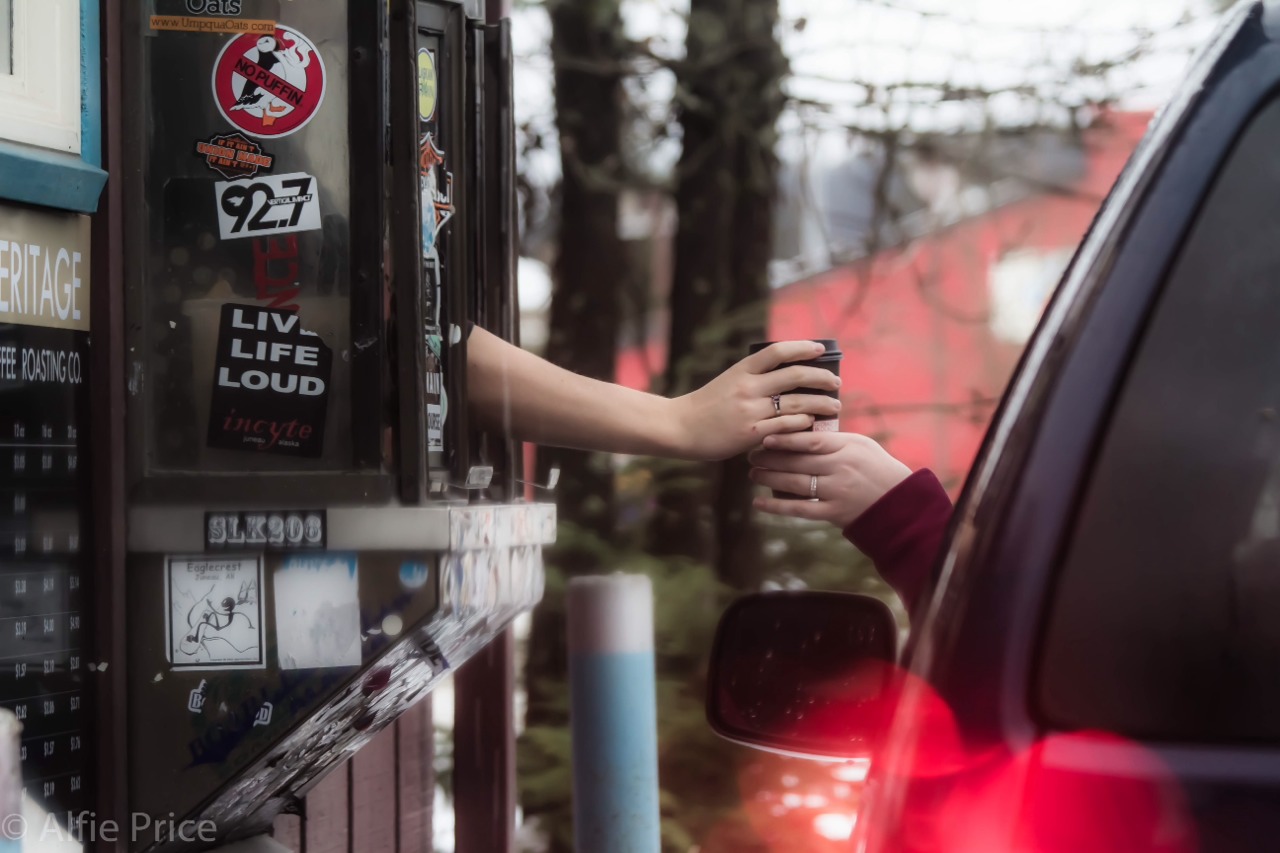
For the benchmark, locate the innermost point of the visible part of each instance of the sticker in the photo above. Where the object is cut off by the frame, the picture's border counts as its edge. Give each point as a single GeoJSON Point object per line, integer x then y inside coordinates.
{"type": "Point", "coordinates": [271, 383]}
{"type": "Point", "coordinates": [195, 699]}
{"type": "Point", "coordinates": [214, 7]}
{"type": "Point", "coordinates": [269, 530]}
{"type": "Point", "coordinates": [234, 156]}
{"type": "Point", "coordinates": [273, 204]}
{"type": "Point", "coordinates": [436, 201]}
{"type": "Point", "coordinates": [436, 398]}
{"type": "Point", "coordinates": [426, 85]}
{"type": "Point", "coordinates": [275, 271]}
{"type": "Point", "coordinates": [269, 85]}
{"type": "Point", "coordinates": [215, 615]}
{"type": "Point", "coordinates": [318, 612]}
{"type": "Point", "coordinates": [235, 26]}
{"type": "Point", "coordinates": [414, 575]}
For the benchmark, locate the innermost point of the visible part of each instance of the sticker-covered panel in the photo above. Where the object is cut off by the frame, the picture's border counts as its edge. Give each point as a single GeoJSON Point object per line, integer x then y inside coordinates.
{"type": "Point", "coordinates": [230, 651]}
{"type": "Point", "coordinates": [437, 206]}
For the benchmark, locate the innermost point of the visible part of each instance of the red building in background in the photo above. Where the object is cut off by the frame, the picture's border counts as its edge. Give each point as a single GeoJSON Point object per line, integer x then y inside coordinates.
{"type": "Point", "coordinates": [932, 329]}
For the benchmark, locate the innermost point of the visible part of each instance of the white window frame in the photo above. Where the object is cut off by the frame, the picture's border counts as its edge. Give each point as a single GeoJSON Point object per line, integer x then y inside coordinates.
{"type": "Point", "coordinates": [40, 100]}
{"type": "Point", "coordinates": [1019, 285]}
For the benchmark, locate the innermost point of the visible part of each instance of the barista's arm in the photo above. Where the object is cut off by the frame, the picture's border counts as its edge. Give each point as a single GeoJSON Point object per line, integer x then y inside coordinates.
{"type": "Point", "coordinates": [527, 397]}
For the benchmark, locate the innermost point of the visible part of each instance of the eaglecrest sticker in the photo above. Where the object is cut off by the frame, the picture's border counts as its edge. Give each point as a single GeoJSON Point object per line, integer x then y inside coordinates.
{"type": "Point", "coordinates": [234, 156]}
{"type": "Point", "coordinates": [215, 614]}
{"type": "Point", "coordinates": [271, 85]}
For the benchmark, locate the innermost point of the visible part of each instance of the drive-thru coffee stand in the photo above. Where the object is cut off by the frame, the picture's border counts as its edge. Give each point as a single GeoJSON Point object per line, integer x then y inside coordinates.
{"type": "Point", "coordinates": [246, 521]}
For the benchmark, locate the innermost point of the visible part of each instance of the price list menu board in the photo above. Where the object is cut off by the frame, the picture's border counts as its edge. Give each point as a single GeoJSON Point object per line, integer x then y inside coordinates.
{"type": "Point", "coordinates": [44, 359]}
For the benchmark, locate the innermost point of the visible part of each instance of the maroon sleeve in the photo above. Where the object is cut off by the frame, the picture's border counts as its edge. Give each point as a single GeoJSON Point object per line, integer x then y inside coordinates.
{"type": "Point", "coordinates": [902, 533]}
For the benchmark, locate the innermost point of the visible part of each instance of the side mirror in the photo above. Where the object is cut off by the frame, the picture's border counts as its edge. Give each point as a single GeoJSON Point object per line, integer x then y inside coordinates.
{"type": "Point", "coordinates": [807, 673]}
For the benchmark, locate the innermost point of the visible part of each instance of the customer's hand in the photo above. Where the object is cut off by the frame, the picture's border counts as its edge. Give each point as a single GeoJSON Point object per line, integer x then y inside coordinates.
{"type": "Point", "coordinates": [735, 411]}
{"type": "Point", "coordinates": [852, 471]}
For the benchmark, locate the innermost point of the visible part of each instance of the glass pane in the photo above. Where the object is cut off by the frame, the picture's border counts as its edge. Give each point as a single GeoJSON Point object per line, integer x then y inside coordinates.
{"type": "Point", "coordinates": [248, 220]}
{"type": "Point", "coordinates": [6, 36]}
{"type": "Point", "coordinates": [1163, 625]}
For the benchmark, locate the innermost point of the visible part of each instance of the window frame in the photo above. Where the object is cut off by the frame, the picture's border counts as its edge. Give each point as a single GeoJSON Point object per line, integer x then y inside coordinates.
{"type": "Point", "coordinates": [52, 157]}
{"type": "Point", "coordinates": [42, 108]}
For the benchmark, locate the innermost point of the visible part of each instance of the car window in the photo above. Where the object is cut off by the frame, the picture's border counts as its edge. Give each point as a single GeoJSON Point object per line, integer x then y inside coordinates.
{"type": "Point", "coordinates": [1165, 621]}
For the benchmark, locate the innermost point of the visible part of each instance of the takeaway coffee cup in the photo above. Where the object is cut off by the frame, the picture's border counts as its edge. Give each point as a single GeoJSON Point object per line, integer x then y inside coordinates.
{"type": "Point", "coordinates": [829, 360]}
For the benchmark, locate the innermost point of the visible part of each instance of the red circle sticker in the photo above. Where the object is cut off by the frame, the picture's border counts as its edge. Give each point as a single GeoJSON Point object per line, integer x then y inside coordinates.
{"type": "Point", "coordinates": [269, 86]}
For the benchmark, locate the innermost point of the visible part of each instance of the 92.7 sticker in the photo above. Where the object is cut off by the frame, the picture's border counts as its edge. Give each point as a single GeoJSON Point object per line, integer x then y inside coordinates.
{"type": "Point", "coordinates": [272, 204]}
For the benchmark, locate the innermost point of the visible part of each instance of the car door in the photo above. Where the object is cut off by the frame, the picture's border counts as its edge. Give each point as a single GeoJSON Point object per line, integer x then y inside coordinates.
{"type": "Point", "coordinates": [1105, 623]}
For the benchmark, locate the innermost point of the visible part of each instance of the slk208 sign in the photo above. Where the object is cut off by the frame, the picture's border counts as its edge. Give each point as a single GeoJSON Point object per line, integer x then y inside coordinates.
{"type": "Point", "coordinates": [267, 530]}
{"type": "Point", "coordinates": [272, 204]}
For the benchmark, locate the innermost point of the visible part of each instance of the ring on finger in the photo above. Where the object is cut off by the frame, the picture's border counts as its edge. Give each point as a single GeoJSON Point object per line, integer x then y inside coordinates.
{"type": "Point", "coordinates": [813, 487]}
{"type": "Point", "coordinates": [777, 404]}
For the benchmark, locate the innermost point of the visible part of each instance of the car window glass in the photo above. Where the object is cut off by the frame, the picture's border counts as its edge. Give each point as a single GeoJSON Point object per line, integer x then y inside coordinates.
{"type": "Point", "coordinates": [1165, 622]}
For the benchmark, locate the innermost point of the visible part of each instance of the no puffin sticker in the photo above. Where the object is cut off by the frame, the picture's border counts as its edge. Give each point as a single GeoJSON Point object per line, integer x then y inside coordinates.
{"type": "Point", "coordinates": [269, 86]}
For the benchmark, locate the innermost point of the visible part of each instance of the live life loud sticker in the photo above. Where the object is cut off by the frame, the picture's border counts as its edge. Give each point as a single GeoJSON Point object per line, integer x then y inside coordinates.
{"type": "Point", "coordinates": [272, 204]}
{"type": "Point", "coordinates": [271, 384]}
{"type": "Point", "coordinates": [269, 85]}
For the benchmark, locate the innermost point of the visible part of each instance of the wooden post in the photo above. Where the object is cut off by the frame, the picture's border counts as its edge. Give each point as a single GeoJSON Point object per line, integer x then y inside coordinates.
{"type": "Point", "coordinates": [484, 732]}
{"type": "Point", "coordinates": [484, 750]}
{"type": "Point", "coordinates": [107, 451]}
{"type": "Point", "coordinates": [415, 751]}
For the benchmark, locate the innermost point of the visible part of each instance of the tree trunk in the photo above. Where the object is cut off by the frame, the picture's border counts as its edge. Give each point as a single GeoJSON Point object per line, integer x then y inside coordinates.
{"type": "Point", "coordinates": [586, 47]}
{"type": "Point", "coordinates": [730, 98]}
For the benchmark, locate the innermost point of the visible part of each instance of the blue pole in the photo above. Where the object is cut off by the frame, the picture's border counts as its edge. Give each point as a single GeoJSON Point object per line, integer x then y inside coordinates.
{"type": "Point", "coordinates": [613, 716]}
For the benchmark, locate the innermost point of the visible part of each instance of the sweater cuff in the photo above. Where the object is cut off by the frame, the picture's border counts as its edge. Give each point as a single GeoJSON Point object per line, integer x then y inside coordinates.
{"type": "Point", "coordinates": [901, 532]}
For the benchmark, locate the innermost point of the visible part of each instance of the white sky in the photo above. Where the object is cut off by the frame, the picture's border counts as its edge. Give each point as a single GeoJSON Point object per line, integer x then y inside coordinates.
{"type": "Point", "coordinates": [989, 43]}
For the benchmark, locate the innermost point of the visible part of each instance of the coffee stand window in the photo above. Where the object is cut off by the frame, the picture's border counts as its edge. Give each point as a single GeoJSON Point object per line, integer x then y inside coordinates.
{"type": "Point", "coordinates": [255, 342]}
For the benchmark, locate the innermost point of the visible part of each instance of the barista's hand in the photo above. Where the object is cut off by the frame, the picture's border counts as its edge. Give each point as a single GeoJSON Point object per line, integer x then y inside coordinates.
{"type": "Point", "coordinates": [853, 472]}
{"type": "Point", "coordinates": [733, 412]}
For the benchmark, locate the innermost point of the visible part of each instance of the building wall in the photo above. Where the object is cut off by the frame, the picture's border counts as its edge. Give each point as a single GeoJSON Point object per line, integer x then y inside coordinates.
{"type": "Point", "coordinates": [379, 801]}
{"type": "Point", "coordinates": [932, 332]}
